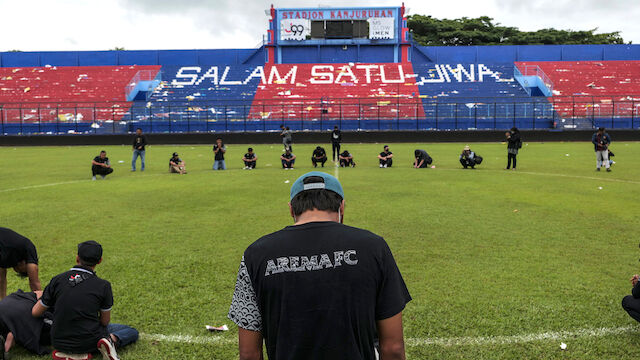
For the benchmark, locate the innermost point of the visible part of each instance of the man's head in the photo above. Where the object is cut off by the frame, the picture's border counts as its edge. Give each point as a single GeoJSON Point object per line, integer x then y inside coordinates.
{"type": "Point", "coordinates": [139, 131]}
{"type": "Point", "coordinates": [467, 148]}
{"type": "Point", "coordinates": [335, 127]}
{"type": "Point", "coordinates": [21, 268]}
{"type": "Point", "coordinates": [175, 155]}
{"type": "Point", "coordinates": [287, 151]}
{"type": "Point", "coordinates": [282, 126]}
{"type": "Point", "coordinates": [103, 154]}
{"type": "Point", "coordinates": [219, 141]}
{"type": "Point", "coordinates": [600, 130]}
{"type": "Point", "coordinates": [316, 191]}
{"type": "Point", "coordinates": [287, 128]}
{"type": "Point", "coordinates": [386, 148]}
{"type": "Point", "coordinates": [318, 148]}
{"type": "Point", "coordinates": [89, 253]}
{"type": "Point", "coordinates": [250, 150]}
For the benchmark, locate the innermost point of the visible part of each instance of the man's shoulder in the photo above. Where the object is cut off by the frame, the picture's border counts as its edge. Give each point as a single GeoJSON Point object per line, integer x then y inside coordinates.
{"type": "Point", "coordinates": [346, 232]}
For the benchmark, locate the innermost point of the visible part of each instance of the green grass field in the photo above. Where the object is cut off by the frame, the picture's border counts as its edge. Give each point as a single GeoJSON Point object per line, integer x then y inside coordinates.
{"type": "Point", "coordinates": [485, 253]}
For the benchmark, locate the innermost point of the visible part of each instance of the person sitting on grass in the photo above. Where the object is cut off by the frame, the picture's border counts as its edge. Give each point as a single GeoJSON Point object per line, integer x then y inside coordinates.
{"type": "Point", "coordinates": [288, 160]}
{"type": "Point", "coordinates": [422, 159]}
{"type": "Point", "coordinates": [319, 156]}
{"type": "Point", "coordinates": [17, 326]}
{"type": "Point", "coordinates": [250, 159]}
{"type": "Point", "coordinates": [100, 165]}
{"type": "Point", "coordinates": [468, 158]}
{"type": "Point", "coordinates": [81, 303]}
{"type": "Point", "coordinates": [386, 157]}
{"type": "Point", "coordinates": [19, 253]}
{"type": "Point", "coordinates": [176, 165]}
{"type": "Point", "coordinates": [346, 159]}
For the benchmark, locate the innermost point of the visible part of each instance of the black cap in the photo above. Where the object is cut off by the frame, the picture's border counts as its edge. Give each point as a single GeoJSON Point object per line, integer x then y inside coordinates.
{"type": "Point", "coordinates": [90, 252]}
{"type": "Point", "coordinates": [175, 154]}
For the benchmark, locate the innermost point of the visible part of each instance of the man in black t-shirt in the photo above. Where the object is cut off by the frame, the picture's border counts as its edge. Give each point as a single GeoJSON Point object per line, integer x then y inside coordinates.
{"type": "Point", "coordinates": [82, 309]}
{"type": "Point", "coordinates": [288, 159]}
{"type": "Point", "coordinates": [250, 159]}
{"type": "Point", "coordinates": [346, 159]}
{"type": "Point", "coordinates": [336, 139]}
{"type": "Point", "coordinates": [319, 289]}
{"type": "Point", "coordinates": [19, 253]}
{"type": "Point", "coordinates": [177, 165]}
{"type": "Point", "coordinates": [422, 159]}
{"type": "Point", "coordinates": [219, 149]}
{"type": "Point", "coordinates": [319, 156]}
{"type": "Point", "coordinates": [100, 165]}
{"type": "Point", "coordinates": [386, 157]}
{"type": "Point", "coordinates": [139, 143]}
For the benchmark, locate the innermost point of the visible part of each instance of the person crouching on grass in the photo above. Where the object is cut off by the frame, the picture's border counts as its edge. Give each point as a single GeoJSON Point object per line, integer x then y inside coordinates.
{"type": "Point", "coordinates": [100, 165]}
{"type": "Point", "coordinates": [422, 159]}
{"type": "Point", "coordinates": [176, 165]}
{"type": "Point", "coordinates": [250, 159]}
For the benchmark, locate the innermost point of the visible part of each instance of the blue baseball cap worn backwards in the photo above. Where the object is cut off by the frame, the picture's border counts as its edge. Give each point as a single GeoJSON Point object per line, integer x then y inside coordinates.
{"type": "Point", "coordinates": [329, 183]}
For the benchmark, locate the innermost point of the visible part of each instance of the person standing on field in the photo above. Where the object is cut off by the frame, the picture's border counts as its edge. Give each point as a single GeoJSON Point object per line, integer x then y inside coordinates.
{"type": "Point", "coordinates": [336, 139]}
{"type": "Point", "coordinates": [601, 141]}
{"type": "Point", "coordinates": [139, 143]}
{"type": "Point", "coordinates": [514, 143]}
{"type": "Point", "coordinates": [287, 139]}
{"type": "Point", "coordinates": [319, 289]}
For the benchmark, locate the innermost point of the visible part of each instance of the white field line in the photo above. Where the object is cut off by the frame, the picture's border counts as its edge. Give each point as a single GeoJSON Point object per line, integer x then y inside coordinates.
{"type": "Point", "coordinates": [64, 183]}
{"type": "Point", "coordinates": [416, 342]}
{"type": "Point", "coordinates": [336, 174]}
{"type": "Point", "coordinates": [42, 185]}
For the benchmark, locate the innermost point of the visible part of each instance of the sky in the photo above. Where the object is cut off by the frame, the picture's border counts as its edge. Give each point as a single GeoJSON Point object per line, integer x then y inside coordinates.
{"type": "Point", "coordinates": [58, 25]}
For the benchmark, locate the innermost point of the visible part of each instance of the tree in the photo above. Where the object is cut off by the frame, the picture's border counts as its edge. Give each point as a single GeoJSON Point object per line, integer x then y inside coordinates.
{"type": "Point", "coordinates": [118, 49]}
{"type": "Point", "coordinates": [481, 31]}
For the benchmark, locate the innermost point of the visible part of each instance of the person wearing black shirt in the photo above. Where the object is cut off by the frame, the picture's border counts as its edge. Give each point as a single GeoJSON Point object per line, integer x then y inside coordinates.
{"type": "Point", "coordinates": [336, 139]}
{"type": "Point", "coordinates": [601, 141]}
{"type": "Point", "coordinates": [319, 289]}
{"type": "Point", "coordinates": [139, 143]}
{"type": "Point", "coordinates": [288, 160]}
{"type": "Point", "coordinates": [514, 142]}
{"type": "Point", "coordinates": [219, 149]}
{"type": "Point", "coordinates": [319, 156]}
{"type": "Point", "coordinates": [81, 303]}
{"type": "Point", "coordinates": [100, 165]}
{"type": "Point", "coordinates": [346, 159]}
{"type": "Point", "coordinates": [386, 157]}
{"type": "Point", "coordinates": [176, 165]}
{"type": "Point", "coordinates": [17, 326]}
{"type": "Point", "coordinates": [250, 159]}
{"type": "Point", "coordinates": [422, 159]}
{"type": "Point", "coordinates": [19, 253]}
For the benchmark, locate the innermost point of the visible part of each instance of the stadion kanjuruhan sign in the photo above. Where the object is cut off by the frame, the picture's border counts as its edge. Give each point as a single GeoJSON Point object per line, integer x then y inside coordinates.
{"type": "Point", "coordinates": [336, 14]}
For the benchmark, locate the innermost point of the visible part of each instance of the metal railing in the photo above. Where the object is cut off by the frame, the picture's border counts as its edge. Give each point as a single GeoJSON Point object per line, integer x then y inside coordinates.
{"type": "Point", "coordinates": [322, 114]}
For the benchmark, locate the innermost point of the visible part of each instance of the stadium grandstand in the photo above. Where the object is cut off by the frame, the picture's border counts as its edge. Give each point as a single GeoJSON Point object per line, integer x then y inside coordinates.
{"type": "Point", "coordinates": [358, 68]}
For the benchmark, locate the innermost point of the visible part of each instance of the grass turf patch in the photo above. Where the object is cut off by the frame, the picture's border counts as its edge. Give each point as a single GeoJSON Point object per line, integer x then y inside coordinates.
{"type": "Point", "coordinates": [474, 265]}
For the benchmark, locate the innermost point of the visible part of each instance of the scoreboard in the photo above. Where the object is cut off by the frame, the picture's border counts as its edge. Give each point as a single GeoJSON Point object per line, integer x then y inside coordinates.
{"type": "Point", "coordinates": [315, 25]}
